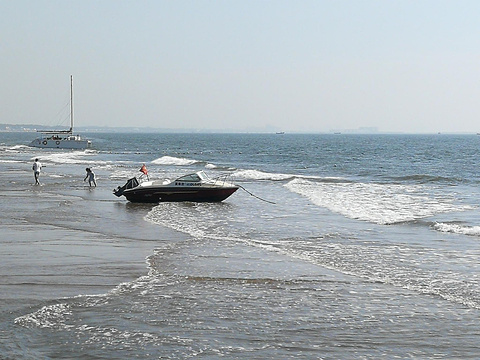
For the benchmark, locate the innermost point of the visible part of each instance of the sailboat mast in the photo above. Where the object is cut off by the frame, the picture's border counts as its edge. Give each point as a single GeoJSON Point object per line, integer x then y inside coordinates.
{"type": "Point", "coordinates": [71, 103]}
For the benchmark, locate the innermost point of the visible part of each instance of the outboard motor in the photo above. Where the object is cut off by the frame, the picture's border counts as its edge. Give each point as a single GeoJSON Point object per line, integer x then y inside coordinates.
{"type": "Point", "coordinates": [131, 183]}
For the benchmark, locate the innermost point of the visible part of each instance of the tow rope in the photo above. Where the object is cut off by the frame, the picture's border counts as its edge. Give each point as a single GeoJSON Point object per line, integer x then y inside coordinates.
{"type": "Point", "coordinates": [259, 198]}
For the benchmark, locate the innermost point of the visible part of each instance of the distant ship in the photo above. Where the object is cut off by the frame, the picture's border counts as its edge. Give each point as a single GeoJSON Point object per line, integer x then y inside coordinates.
{"type": "Point", "coordinates": [62, 139]}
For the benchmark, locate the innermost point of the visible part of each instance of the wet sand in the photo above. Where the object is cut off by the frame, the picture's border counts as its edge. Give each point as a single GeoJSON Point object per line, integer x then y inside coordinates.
{"type": "Point", "coordinates": [61, 242]}
{"type": "Point", "coordinates": [43, 262]}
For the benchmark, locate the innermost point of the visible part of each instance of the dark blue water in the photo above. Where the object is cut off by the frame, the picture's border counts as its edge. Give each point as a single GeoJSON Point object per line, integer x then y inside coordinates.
{"type": "Point", "coordinates": [370, 249]}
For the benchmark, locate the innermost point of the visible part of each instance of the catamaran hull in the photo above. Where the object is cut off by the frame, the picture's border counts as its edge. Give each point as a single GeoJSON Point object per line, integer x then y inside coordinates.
{"type": "Point", "coordinates": [178, 194]}
{"type": "Point", "coordinates": [62, 139]}
{"type": "Point", "coordinates": [61, 144]}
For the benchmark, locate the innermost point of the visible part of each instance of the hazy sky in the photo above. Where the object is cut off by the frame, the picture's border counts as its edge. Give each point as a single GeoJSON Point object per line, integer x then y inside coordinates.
{"type": "Point", "coordinates": [309, 66]}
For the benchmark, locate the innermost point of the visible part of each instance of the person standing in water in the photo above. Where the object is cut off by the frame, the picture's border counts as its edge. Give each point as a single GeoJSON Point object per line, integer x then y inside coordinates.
{"type": "Point", "coordinates": [91, 177]}
{"type": "Point", "coordinates": [37, 167]}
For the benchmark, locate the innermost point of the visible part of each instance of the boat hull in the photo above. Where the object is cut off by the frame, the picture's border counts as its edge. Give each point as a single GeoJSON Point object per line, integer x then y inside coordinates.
{"type": "Point", "coordinates": [61, 144]}
{"type": "Point", "coordinates": [155, 195]}
{"type": "Point", "coordinates": [62, 139]}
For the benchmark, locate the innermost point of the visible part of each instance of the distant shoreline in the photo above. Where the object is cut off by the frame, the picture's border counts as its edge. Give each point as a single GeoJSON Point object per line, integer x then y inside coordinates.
{"type": "Point", "coordinates": [32, 128]}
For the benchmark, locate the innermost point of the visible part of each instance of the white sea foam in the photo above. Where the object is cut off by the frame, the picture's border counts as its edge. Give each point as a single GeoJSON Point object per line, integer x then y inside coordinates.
{"type": "Point", "coordinates": [50, 316]}
{"type": "Point", "coordinates": [457, 229]}
{"type": "Point", "coordinates": [260, 175]}
{"type": "Point", "coordinates": [376, 203]}
{"type": "Point", "coordinates": [73, 157]}
{"type": "Point", "coordinates": [17, 147]}
{"type": "Point", "coordinates": [201, 221]}
{"type": "Point", "coordinates": [394, 264]}
{"type": "Point", "coordinates": [170, 160]}
{"type": "Point", "coordinates": [249, 174]}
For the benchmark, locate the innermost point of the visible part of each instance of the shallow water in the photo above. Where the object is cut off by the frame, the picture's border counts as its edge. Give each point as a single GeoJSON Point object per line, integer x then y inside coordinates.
{"type": "Point", "coordinates": [370, 250]}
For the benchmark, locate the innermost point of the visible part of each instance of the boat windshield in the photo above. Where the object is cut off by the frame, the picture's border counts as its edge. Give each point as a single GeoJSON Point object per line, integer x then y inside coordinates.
{"type": "Point", "coordinates": [190, 178]}
{"type": "Point", "coordinates": [199, 176]}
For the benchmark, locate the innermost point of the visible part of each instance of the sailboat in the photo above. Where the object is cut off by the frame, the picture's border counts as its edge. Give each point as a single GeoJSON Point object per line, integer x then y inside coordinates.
{"type": "Point", "coordinates": [62, 139]}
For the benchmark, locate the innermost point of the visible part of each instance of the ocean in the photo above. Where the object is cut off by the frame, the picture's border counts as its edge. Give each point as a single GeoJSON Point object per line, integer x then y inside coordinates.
{"type": "Point", "coordinates": [351, 247]}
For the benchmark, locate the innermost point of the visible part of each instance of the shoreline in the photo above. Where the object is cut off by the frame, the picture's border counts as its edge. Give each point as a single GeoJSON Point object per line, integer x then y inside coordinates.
{"type": "Point", "coordinates": [69, 242]}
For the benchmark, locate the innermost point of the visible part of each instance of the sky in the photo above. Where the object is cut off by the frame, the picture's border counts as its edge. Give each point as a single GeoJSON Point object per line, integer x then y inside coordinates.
{"type": "Point", "coordinates": [410, 66]}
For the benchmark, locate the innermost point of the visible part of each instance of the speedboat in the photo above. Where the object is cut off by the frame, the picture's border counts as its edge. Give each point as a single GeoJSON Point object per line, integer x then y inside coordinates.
{"type": "Point", "coordinates": [196, 187]}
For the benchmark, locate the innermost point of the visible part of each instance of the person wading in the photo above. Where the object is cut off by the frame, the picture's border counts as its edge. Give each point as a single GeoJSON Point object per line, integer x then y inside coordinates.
{"type": "Point", "coordinates": [37, 167]}
{"type": "Point", "coordinates": [91, 177]}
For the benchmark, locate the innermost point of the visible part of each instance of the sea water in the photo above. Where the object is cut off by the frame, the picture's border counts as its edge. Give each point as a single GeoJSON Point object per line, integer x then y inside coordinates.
{"type": "Point", "coordinates": [341, 247]}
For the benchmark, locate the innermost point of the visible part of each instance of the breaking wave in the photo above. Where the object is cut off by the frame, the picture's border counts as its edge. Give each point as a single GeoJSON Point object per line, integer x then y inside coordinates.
{"type": "Point", "coordinates": [457, 229]}
{"type": "Point", "coordinates": [14, 149]}
{"type": "Point", "coordinates": [377, 203]}
{"type": "Point", "coordinates": [260, 175]}
{"type": "Point", "coordinates": [170, 160]}
{"type": "Point", "coordinates": [73, 157]}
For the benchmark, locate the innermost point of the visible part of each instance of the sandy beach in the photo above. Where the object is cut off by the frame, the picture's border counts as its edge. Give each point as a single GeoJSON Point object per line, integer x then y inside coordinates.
{"type": "Point", "coordinates": [52, 246]}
